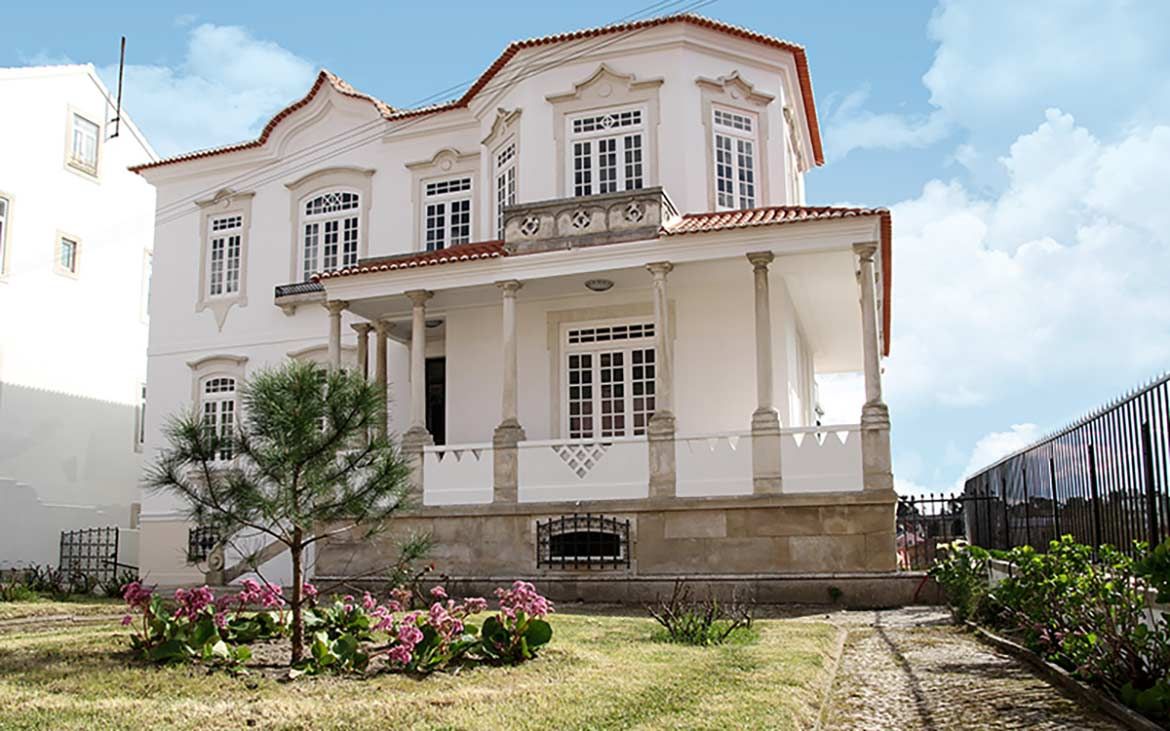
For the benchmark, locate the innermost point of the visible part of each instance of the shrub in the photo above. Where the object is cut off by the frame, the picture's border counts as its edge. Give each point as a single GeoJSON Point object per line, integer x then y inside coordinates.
{"type": "Point", "coordinates": [961, 572]}
{"type": "Point", "coordinates": [14, 589]}
{"type": "Point", "coordinates": [700, 622]}
{"type": "Point", "coordinates": [1154, 567]}
{"type": "Point", "coordinates": [514, 634]}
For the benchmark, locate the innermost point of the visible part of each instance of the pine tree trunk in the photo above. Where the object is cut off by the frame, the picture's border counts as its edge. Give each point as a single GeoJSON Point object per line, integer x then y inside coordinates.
{"type": "Point", "coordinates": [298, 623]}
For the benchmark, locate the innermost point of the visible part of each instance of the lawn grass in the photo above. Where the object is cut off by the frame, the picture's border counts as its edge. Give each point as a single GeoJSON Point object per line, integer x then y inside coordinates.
{"type": "Point", "coordinates": [82, 607]}
{"type": "Point", "coordinates": [600, 672]}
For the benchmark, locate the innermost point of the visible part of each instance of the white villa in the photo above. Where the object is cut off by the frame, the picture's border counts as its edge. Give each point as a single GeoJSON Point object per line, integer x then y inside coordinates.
{"type": "Point", "coordinates": [76, 234]}
{"type": "Point", "coordinates": [594, 292]}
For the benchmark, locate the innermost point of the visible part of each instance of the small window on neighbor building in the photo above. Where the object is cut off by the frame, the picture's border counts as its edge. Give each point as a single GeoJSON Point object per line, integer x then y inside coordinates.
{"type": "Point", "coordinates": [68, 251]}
{"type": "Point", "coordinates": [3, 234]}
{"type": "Point", "coordinates": [140, 419]}
{"type": "Point", "coordinates": [83, 144]}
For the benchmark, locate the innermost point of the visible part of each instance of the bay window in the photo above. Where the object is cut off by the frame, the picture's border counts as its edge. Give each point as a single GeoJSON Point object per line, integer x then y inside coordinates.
{"type": "Point", "coordinates": [735, 152]}
{"type": "Point", "coordinates": [505, 184]}
{"type": "Point", "coordinates": [606, 152]}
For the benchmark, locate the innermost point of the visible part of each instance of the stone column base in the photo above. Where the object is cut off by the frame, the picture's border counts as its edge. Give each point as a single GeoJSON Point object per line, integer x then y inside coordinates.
{"type": "Point", "coordinates": [663, 475]}
{"type": "Point", "coordinates": [876, 464]}
{"type": "Point", "coordinates": [766, 475]}
{"type": "Point", "coordinates": [413, 441]}
{"type": "Point", "coordinates": [505, 461]}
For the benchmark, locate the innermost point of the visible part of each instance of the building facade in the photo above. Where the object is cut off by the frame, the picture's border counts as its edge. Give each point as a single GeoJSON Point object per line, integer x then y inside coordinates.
{"type": "Point", "coordinates": [594, 293]}
{"type": "Point", "coordinates": [76, 240]}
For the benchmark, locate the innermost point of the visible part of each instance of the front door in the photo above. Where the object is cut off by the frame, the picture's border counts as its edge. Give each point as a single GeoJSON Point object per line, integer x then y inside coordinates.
{"type": "Point", "coordinates": [437, 399]}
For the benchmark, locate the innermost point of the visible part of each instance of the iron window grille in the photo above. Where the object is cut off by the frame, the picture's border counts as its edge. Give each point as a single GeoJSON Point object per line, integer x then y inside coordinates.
{"type": "Point", "coordinates": [583, 542]}
{"type": "Point", "coordinates": [201, 542]}
{"type": "Point", "coordinates": [92, 552]}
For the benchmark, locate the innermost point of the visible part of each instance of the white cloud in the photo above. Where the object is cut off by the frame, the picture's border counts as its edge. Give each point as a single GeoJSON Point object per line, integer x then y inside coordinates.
{"type": "Point", "coordinates": [851, 127]}
{"type": "Point", "coordinates": [224, 90]}
{"type": "Point", "coordinates": [995, 446]}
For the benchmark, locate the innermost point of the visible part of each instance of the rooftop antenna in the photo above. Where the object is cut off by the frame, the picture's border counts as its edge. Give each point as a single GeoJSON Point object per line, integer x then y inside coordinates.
{"type": "Point", "coordinates": [118, 110]}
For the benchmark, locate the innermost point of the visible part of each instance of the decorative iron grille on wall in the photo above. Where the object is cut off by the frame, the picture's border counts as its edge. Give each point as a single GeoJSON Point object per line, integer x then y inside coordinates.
{"type": "Point", "coordinates": [92, 552]}
{"type": "Point", "coordinates": [200, 543]}
{"type": "Point", "coordinates": [583, 542]}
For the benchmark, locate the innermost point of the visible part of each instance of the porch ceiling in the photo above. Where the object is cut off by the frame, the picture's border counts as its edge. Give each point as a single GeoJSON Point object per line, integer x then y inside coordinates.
{"type": "Point", "coordinates": [824, 293]}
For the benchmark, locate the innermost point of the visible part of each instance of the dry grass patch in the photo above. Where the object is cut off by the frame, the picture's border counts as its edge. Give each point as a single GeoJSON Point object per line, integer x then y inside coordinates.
{"type": "Point", "coordinates": [599, 673]}
{"type": "Point", "coordinates": [50, 608]}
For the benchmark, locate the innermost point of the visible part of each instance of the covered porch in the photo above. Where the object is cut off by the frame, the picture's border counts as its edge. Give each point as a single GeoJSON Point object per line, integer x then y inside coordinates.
{"type": "Point", "coordinates": [678, 367]}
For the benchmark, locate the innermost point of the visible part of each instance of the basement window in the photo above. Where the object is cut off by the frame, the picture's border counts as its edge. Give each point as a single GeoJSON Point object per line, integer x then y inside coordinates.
{"type": "Point", "coordinates": [583, 542]}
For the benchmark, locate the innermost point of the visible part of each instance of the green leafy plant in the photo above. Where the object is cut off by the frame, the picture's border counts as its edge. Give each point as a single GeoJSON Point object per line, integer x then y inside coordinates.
{"type": "Point", "coordinates": [15, 589]}
{"type": "Point", "coordinates": [1153, 565]}
{"type": "Point", "coordinates": [700, 622]}
{"type": "Point", "coordinates": [961, 572]}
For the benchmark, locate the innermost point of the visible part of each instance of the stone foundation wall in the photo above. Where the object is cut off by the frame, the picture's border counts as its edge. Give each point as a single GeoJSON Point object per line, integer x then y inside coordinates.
{"type": "Point", "coordinates": [836, 533]}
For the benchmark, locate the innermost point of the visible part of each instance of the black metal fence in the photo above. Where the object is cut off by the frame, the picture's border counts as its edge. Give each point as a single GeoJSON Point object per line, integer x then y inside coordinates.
{"type": "Point", "coordinates": [92, 552]}
{"type": "Point", "coordinates": [583, 542]}
{"type": "Point", "coordinates": [1103, 479]}
{"type": "Point", "coordinates": [926, 522]}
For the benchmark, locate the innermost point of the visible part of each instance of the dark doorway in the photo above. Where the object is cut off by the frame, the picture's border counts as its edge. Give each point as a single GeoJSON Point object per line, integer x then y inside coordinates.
{"type": "Point", "coordinates": [437, 399]}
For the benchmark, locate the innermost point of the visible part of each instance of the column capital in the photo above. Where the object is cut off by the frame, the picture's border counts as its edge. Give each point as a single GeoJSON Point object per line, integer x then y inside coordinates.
{"type": "Point", "coordinates": [510, 286]}
{"type": "Point", "coordinates": [865, 250]}
{"type": "Point", "coordinates": [381, 327]}
{"type": "Point", "coordinates": [760, 259]}
{"type": "Point", "coordinates": [419, 297]}
{"type": "Point", "coordinates": [659, 268]}
{"type": "Point", "coordinates": [336, 307]}
{"type": "Point", "coordinates": [362, 328]}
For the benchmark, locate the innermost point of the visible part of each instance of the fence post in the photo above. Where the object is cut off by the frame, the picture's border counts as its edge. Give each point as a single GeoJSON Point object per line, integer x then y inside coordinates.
{"type": "Point", "coordinates": [1094, 498]}
{"type": "Point", "coordinates": [1055, 499]}
{"type": "Point", "coordinates": [1007, 526]}
{"type": "Point", "coordinates": [1151, 489]}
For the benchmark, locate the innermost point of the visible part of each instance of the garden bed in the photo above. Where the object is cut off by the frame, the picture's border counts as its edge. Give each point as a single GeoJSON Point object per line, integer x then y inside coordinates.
{"type": "Point", "coordinates": [602, 672]}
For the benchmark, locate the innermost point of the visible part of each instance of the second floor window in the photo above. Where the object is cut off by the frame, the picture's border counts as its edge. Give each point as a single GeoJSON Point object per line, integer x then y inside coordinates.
{"type": "Point", "coordinates": [83, 144]}
{"type": "Point", "coordinates": [447, 213]}
{"type": "Point", "coordinates": [606, 152]}
{"type": "Point", "coordinates": [735, 159]}
{"type": "Point", "coordinates": [330, 228]}
{"type": "Point", "coordinates": [223, 252]}
{"type": "Point", "coordinates": [219, 411]}
{"type": "Point", "coordinates": [505, 184]}
{"type": "Point", "coordinates": [67, 255]}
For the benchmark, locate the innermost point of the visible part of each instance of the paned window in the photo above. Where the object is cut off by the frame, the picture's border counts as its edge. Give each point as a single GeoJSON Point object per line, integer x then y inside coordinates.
{"type": "Point", "coordinates": [330, 232]}
{"type": "Point", "coordinates": [610, 380]}
{"type": "Point", "coordinates": [505, 184]}
{"type": "Point", "coordinates": [223, 252]}
{"type": "Point", "coordinates": [735, 160]}
{"type": "Point", "coordinates": [68, 251]}
{"type": "Point", "coordinates": [3, 232]}
{"type": "Point", "coordinates": [607, 152]}
{"type": "Point", "coordinates": [83, 143]}
{"type": "Point", "coordinates": [219, 412]}
{"type": "Point", "coordinates": [447, 213]}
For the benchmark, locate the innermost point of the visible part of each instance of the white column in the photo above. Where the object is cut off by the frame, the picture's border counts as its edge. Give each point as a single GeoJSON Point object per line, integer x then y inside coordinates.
{"type": "Point", "coordinates": [381, 329]}
{"type": "Point", "coordinates": [335, 307]}
{"type": "Point", "coordinates": [766, 474]}
{"type": "Point", "coordinates": [363, 348]}
{"type": "Point", "coordinates": [509, 433]}
{"type": "Point", "coordinates": [660, 430]}
{"type": "Point", "coordinates": [875, 415]}
{"type": "Point", "coordinates": [418, 364]}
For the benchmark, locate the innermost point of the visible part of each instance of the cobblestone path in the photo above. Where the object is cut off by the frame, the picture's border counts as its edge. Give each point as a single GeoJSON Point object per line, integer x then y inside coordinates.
{"type": "Point", "coordinates": [911, 670]}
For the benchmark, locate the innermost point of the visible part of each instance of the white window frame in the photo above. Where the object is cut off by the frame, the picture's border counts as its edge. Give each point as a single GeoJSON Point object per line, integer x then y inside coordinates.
{"type": "Point", "coordinates": [587, 144]}
{"type": "Point", "coordinates": [225, 232]}
{"type": "Point", "coordinates": [344, 218]}
{"type": "Point", "coordinates": [730, 138]}
{"type": "Point", "coordinates": [597, 340]}
{"type": "Point", "coordinates": [79, 135]}
{"type": "Point", "coordinates": [220, 403]}
{"type": "Point", "coordinates": [506, 166]}
{"type": "Point", "coordinates": [74, 269]}
{"type": "Point", "coordinates": [5, 225]}
{"type": "Point", "coordinates": [441, 196]}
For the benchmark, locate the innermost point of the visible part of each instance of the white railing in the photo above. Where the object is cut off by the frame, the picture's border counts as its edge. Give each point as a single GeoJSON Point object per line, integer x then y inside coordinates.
{"type": "Point", "coordinates": [457, 474]}
{"type": "Point", "coordinates": [707, 465]}
{"type": "Point", "coordinates": [574, 469]}
{"type": "Point", "coordinates": [821, 459]}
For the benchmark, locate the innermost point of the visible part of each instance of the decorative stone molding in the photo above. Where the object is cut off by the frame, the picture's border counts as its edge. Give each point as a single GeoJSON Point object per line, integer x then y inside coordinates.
{"type": "Point", "coordinates": [214, 365]}
{"type": "Point", "coordinates": [606, 88]}
{"type": "Point", "coordinates": [346, 178]}
{"type": "Point", "coordinates": [502, 126]}
{"type": "Point", "coordinates": [225, 202]}
{"type": "Point", "coordinates": [735, 93]}
{"type": "Point", "coordinates": [571, 223]}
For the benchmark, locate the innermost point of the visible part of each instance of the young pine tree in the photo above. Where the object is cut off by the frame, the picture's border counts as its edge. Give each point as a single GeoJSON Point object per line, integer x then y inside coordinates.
{"type": "Point", "coordinates": [305, 461]}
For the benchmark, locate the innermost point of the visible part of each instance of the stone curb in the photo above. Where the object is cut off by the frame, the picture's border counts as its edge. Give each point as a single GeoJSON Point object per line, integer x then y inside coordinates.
{"type": "Point", "coordinates": [1060, 677]}
{"type": "Point", "coordinates": [827, 702]}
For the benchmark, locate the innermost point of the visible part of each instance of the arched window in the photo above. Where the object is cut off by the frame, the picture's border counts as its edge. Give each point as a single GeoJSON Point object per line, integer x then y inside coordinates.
{"type": "Point", "coordinates": [218, 405]}
{"type": "Point", "coordinates": [329, 231]}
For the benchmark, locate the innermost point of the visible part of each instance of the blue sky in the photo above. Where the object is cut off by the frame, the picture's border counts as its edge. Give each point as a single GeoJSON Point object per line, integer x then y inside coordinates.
{"type": "Point", "coordinates": [1021, 146]}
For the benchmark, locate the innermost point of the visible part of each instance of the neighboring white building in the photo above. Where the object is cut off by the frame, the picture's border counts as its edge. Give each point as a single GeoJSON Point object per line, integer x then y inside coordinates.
{"type": "Point", "coordinates": [591, 281]}
{"type": "Point", "coordinates": [76, 235]}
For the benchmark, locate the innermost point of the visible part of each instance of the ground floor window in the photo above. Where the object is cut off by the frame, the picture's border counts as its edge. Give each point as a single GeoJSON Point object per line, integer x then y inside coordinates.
{"type": "Point", "coordinates": [583, 542]}
{"type": "Point", "coordinates": [219, 411]}
{"type": "Point", "coordinates": [610, 380]}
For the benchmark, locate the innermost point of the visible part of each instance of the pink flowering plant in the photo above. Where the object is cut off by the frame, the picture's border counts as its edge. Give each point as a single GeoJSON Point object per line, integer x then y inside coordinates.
{"type": "Point", "coordinates": [515, 633]}
{"type": "Point", "coordinates": [194, 630]}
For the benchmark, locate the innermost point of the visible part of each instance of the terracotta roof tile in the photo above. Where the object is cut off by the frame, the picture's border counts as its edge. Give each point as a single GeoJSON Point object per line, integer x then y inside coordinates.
{"type": "Point", "coordinates": [693, 223]}
{"type": "Point", "coordinates": [479, 250]}
{"type": "Point", "coordinates": [802, 73]}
